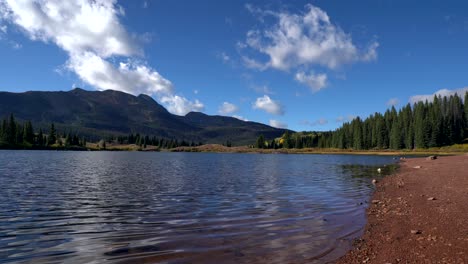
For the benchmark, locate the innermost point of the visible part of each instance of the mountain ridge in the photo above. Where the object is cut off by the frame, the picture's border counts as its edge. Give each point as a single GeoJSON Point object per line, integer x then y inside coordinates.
{"type": "Point", "coordinates": [103, 113]}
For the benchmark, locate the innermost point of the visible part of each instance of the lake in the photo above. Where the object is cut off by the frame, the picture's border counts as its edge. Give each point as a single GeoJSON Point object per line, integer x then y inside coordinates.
{"type": "Point", "coordinates": [135, 207]}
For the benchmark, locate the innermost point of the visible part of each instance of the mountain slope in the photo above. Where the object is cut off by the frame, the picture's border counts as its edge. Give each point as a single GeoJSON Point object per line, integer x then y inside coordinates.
{"type": "Point", "coordinates": [97, 114]}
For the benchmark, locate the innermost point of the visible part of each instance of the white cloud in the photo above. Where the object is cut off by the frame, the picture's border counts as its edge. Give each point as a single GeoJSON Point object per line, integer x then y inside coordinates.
{"type": "Point", "coordinates": [319, 122]}
{"type": "Point", "coordinates": [227, 108]}
{"type": "Point", "coordinates": [180, 106]}
{"type": "Point", "coordinates": [442, 93]}
{"type": "Point", "coordinates": [128, 77]}
{"type": "Point", "coordinates": [240, 118]}
{"type": "Point", "coordinates": [75, 26]}
{"type": "Point", "coordinates": [3, 29]}
{"type": "Point", "coordinates": [277, 124]}
{"type": "Point", "coordinates": [393, 102]}
{"type": "Point", "coordinates": [315, 82]}
{"type": "Point", "coordinates": [342, 119]}
{"type": "Point", "coordinates": [371, 53]}
{"type": "Point", "coordinates": [309, 38]}
{"type": "Point", "coordinates": [100, 49]}
{"type": "Point", "coordinates": [268, 105]}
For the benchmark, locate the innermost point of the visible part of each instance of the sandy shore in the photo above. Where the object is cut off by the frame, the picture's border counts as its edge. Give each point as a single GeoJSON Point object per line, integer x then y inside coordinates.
{"type": "Point", "coordinates": [419, 215]}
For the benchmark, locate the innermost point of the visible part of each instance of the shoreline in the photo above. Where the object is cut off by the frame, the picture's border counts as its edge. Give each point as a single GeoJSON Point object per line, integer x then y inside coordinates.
{"type": "Point", "coordinates": [216, 148]}
{"type": "Point", "coordinates": [417, 215]}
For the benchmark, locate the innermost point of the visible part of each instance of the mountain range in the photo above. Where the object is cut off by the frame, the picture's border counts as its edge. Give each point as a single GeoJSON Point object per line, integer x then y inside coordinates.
{"type": "Point", "coordinates": [98, 114]}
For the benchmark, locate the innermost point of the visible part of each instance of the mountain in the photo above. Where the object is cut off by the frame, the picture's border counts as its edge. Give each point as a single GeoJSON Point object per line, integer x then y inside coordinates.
{"type": "Point", "coordinates": [101, 113]}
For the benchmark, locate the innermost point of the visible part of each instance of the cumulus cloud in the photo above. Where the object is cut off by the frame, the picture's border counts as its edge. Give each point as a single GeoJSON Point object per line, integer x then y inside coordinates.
{"type": "Point", "coordinates": [180, 105]}
{"type": "Point", "coordinates": [75, 26]}
{"type": "Point", "coordinates": [393, 102]}
{"type": "Point", "coordinates": [308, 38]}
{"type": "Point", "coordinates": [277, 124]}
{"type": "Point", "coordinates": [268, 105]}
{"type": "Point", "coordinates": [315, 82]}
{"type": "Point", "coordinates": [227, 108]}
{"type": "Point", "coordinates": [128, 77]}
{"type": "Point", "coordinates": [301, 41]}
{"type": "Point", "coordinates": [442, 93]}
{"type": "Point", "coordinates": [101, 52]}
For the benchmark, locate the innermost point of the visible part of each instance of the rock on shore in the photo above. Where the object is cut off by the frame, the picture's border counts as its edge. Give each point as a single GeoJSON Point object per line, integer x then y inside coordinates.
{"type": "Point", "coordinates": [421, 215]}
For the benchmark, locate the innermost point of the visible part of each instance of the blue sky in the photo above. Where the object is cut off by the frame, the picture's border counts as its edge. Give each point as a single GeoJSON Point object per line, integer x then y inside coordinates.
{"type": "Point", "coordinates": [305, 65]}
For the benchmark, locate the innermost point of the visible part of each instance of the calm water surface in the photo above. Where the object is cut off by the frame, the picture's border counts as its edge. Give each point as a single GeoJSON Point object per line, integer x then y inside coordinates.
{"type": "Point", "coordinates": [133, 207]}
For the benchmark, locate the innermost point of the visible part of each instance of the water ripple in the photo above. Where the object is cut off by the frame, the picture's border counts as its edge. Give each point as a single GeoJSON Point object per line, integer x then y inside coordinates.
{"type": "Point", "coordinates": [109, 207]}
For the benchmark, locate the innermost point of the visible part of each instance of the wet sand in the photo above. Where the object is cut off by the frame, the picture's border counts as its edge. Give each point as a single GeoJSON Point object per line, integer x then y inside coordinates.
{"type": "Point", "coordinates": [419, 215]}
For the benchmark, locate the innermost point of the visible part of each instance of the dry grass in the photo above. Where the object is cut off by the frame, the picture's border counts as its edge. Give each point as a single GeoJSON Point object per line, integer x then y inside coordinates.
{"type": "Point", "coordinates": [451, 150]}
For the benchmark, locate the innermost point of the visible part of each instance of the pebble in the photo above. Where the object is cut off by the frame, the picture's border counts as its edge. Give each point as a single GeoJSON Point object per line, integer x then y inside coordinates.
{"type": "Point", "coordinates": [416, 232]}
{"type": "Point", "coordinates": [374, 181]}
{"type": "Point", "coordinates": [417, 167]}
{"type": "Point", "coordinates": [375, 201]}
{"type": "Point", "coordinates": [431, 199]}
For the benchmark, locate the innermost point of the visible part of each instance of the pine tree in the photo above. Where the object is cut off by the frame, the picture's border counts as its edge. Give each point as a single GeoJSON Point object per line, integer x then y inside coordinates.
{"type": "Point", "coordinates": [381, 133]}
{"type": "Point", "coordinates": [287, 140]}
{"type": "Point", "coordinates": [4, 133]}
{"type": "Point", "coordinates": [357, 133]}
{"type": "Point", "coordinates": [395, 135]}
{"type": "Point", "coordinates": [466, 114]}
{"type": "Point", "coordinates": [420, 126]}
{"type": "Point", "coordinates": [52, 135]}
{"type": "Point", "coordinates": [260, 142]}
{"type": "Point", "coordinates": [298, 142]}
{"type": "Point", "coordinates": [435, 115]}
{"type": "Point", "coordinates": [40, 138]}
{"type": "Point", "coordinates": [19, 134]}
{"type": "Point", "coordinates": [28, 133]}
{"type": "Point", "coordinates": [11, 132]}
{"type": "Point", "coordinates": [458, 125]}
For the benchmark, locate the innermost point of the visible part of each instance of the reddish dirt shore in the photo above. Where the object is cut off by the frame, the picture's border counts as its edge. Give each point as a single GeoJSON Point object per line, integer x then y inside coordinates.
{"type": "Point", "coordinates": [419, 215]}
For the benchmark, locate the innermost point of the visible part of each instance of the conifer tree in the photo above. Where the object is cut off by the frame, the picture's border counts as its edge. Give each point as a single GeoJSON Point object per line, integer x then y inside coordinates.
{"type": "Point", "coordinates": [395, 135]}
{"type": "Point", "coordinates": [52, 135]}
{"type": "Point", "coordinates": [466, 114]}
{"type": "Point", "coordinates": [11, 131]}
{"type": "Point", "coordinates": [28, 133]}
{"type": "Point", "coordinates": [260, 142]}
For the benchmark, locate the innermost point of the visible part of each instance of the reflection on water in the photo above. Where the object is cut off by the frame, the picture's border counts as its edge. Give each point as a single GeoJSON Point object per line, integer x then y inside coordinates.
{"type": "Point", "coordinates": [119, 207]}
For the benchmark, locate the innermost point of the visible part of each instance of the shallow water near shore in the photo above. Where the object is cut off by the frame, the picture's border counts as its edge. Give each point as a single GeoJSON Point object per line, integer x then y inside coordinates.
{"type": "Point", "coordinates": [127, 207]}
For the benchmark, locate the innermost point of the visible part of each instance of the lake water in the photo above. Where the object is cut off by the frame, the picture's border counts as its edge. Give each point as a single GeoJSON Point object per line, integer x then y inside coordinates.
{"type": "Point", "coordinates": [134, 207]}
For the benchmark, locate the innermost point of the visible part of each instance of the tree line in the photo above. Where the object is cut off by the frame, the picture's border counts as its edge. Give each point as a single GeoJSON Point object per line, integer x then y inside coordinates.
{"type": "Point", "coordinates": [144, 140]}
{"type": "Point", "coordinates": [14, 134]}
{"type": "Point", "coordinates": [440, 122]}
{"type": "Point", "coordinates": [17, 135]}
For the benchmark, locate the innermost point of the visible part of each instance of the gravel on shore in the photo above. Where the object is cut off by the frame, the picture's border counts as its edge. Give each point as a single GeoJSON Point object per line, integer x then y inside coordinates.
{"type": "Point", "coordinates": [419, 215]}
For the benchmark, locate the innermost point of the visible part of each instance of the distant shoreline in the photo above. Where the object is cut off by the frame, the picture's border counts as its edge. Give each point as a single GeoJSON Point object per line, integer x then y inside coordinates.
{"type": "Point", "coordinates": [243, 149]}
{"type": "Point", "coordinates": [216, 148]}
